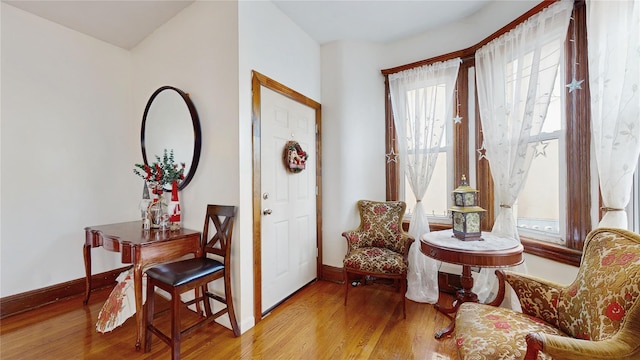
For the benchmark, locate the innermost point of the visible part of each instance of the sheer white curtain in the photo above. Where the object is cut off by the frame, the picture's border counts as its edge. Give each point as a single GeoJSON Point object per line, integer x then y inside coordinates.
{"type": "Point", "coordinates": [422, 102]}
{"type": "Point", "coordinates": [613, 35]}
{"type": "Point", "coordinates": [515, 76]}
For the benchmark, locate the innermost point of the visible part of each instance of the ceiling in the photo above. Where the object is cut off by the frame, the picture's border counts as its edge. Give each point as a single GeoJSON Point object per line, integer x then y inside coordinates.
{"type": "Point", "coordinates": [121, 23]}
{"type": "Point", "coordinates": [375, 20]}
{"type": "Point", "coordinates": [126, 23]}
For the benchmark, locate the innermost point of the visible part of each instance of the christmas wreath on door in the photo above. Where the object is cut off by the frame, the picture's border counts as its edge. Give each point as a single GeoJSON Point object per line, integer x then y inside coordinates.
{"type": "Point", "coordinates": [294, 157]}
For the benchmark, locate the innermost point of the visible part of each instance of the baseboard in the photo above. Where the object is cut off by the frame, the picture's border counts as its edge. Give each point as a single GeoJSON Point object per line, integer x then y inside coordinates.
{"type": "Point", "coordinates": [19, 303]}
{"type": "Point", "coordinates": [332, 273]}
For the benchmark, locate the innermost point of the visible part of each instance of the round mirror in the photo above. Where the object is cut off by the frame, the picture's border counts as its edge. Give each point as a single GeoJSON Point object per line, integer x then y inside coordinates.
{"type": "Point", "coordinates": [170, 122]}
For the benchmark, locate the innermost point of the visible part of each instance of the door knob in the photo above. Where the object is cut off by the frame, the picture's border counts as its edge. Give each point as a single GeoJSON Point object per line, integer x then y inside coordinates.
{"type": "Point", "coordinates": [267, 211]}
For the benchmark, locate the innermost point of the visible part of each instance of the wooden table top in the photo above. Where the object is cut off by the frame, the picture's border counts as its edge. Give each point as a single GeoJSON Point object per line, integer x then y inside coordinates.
{"type": "Point", "coordinates": [133, 234]}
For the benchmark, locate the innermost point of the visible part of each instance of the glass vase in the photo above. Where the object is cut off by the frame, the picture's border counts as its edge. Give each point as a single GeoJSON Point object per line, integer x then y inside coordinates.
{"type": "Point", "coordinates": [158, 210]}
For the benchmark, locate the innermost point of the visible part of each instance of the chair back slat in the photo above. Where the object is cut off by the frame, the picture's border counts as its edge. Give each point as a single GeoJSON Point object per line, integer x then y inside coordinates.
{"type": "Point", "coordinates": [218, 241]}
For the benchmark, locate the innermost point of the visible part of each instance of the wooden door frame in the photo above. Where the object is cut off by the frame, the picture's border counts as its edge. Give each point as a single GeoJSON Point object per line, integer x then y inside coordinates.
{"type": "Point", "coordinates": [258, 80]}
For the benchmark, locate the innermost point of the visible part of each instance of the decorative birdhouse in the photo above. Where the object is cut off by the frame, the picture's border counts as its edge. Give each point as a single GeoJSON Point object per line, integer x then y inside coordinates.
{"type": "Point", "coordinates": [466, 212]}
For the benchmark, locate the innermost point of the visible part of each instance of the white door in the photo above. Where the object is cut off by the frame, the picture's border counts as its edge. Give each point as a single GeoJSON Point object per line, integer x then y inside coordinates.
{"type": "Point", "coordinates": [288, 199]}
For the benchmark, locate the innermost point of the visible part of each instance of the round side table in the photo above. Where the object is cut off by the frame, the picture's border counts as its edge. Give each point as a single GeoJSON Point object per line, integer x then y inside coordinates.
{"type": "Point", "coordinates": [493, 251]}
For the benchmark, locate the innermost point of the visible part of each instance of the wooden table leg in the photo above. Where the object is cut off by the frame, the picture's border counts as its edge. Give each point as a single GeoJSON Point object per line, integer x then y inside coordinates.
{"type": "Point", "coordinates": [137, 284]}
{"type": "Point", "coordinates": [446, 331]}
{"type": "Point", "coordinates": [87, 270]}
{"type": "Point", "coordinates": [467, 284]}
{"type": "Point", "coordinates": [463, 295]}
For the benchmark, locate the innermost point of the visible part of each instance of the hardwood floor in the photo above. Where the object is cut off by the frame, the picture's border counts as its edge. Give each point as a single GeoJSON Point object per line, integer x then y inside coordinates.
{"type": "Point", "coordinates": [312, 324]}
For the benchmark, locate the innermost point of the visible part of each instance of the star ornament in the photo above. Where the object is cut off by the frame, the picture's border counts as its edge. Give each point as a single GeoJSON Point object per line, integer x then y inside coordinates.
{"type": "Point", "coordinates": [482, 152]}
{"type": "Point", "coordinates": [392, 157]}
{"type": "Point", "coordinates": [574, 84]}
{"type": "Point", "coordinates": [541, 149]}
{"type": "Point", "coordinates": [457, 119]}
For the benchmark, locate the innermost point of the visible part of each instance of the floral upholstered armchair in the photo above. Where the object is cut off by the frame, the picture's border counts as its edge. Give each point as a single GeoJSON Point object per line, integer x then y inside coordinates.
{"type": "Point", "coordinates": [379, 247]}
{"type": "Point", "coordinates": [595, 317]}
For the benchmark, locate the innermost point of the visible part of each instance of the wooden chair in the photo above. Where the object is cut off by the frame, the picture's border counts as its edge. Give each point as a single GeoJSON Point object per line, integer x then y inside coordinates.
{"type": "Point", "coordinates": [379, 247]}
{"type": "Point", "coordinates": [595, 317]}
{"type": "Point", "coordinates": [195, 274]}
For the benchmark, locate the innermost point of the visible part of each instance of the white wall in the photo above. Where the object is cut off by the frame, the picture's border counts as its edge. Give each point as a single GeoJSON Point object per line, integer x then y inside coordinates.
{"type": "Point", "coordinates": [273, 45]}
{"type": "Point", "coordinates": [547, 269]}
{"type": "Point", "coordinates": [68, 148]}
{"type": "Point", "coordinates": [197, 52]}
{"type": "Point", "coordinates": [353, 158]}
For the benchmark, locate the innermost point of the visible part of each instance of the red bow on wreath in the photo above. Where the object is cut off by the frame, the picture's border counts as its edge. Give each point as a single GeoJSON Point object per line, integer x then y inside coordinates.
{"type": "Point", "coordinates": [294, 157]}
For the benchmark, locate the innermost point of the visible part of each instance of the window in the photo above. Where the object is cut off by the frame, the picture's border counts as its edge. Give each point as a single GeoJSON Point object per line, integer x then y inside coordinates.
{"type": "Point", "coordinates": [538, 208]}
{"type": "Point", "coordinates": [422, 101]}
{"type": "Point", "coordinates": [436, 200]}
{"type": "Point", "coordinates": [563, 155]}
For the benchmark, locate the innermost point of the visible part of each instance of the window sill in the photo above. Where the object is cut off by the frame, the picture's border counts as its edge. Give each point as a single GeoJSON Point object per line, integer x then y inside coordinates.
{"type": "Point", "coordinates": [553, 252]}
{"type": "Point", "coordinates": [432, 226]}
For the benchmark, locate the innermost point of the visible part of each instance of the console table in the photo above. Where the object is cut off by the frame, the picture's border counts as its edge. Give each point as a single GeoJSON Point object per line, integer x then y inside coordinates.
{"type": "Point", "coordinates": [494, 251]}
{"type": "Point", "coordinates": [139, 247]}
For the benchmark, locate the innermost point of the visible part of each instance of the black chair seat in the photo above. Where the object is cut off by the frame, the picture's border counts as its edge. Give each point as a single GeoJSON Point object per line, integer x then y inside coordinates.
{"type": "Point", "coordinates": [185, 271]}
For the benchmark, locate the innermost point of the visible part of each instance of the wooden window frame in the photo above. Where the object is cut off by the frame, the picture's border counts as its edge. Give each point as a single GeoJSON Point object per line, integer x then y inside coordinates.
{"type": "Point", "coordinates": [578, 140]}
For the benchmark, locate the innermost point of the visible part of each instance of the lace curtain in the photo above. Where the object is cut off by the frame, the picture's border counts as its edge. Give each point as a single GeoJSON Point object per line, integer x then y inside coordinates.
{"type": "Point", "coordinates": [613, 35]}
{"type": "Point", "coordinates": [515, 76]}
{"type": "Point", "coordinates": [422, 103]}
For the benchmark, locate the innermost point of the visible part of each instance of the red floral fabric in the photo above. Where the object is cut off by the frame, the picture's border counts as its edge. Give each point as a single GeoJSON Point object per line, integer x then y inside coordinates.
{"type": "Point", "coordinates": [380, 226]}
{"type": "Point", "coordinates": [607, 285]}
{"type": "Point", "coordinates": [378, 244]}
{"type": "Point", "coordinates": [485, 332]}
{"type": "Point", "coordinates": [121, 303]}
{"type": "Point", "coordinates": [594, 307]}
{"type": "Point", "coordinates": [376, 260]}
